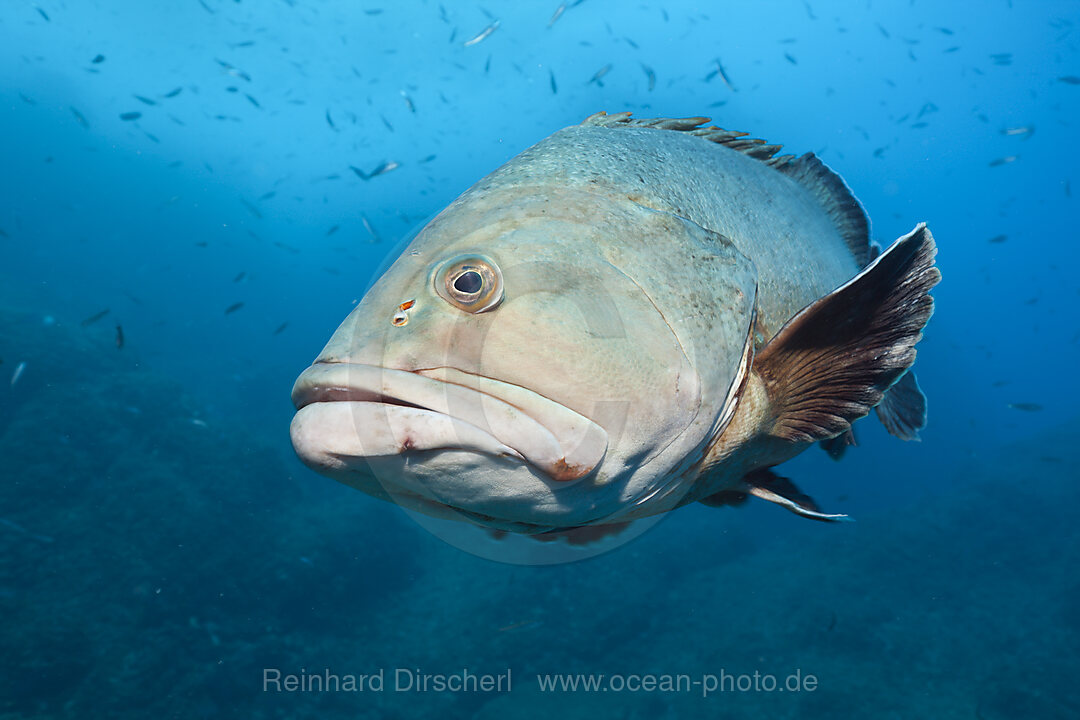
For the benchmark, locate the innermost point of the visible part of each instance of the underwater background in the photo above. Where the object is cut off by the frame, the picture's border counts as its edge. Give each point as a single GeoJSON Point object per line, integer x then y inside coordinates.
{"type": "Point", "coordinates": [189, 207]}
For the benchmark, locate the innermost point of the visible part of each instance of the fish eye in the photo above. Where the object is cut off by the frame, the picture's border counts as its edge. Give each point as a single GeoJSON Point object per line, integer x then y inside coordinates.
{"type": "Point", "coordinates": [471, 283]}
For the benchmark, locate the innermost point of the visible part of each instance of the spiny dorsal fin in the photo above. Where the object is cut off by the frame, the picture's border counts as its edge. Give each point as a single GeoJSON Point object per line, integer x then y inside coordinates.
{"type": "Point", "coordinates": [828, 187]}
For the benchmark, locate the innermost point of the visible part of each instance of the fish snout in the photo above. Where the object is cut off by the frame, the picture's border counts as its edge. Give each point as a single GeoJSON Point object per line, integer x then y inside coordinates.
{"type": "Point", "coordinates": [348, 412]}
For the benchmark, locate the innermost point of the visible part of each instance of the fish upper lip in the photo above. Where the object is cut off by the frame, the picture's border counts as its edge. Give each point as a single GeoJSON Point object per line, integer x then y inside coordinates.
{"type": "Point", "coordinates": [553, 438]}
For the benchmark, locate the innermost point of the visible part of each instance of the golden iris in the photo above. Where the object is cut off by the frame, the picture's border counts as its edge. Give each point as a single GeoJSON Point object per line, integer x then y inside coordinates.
{"type": "Point", "coordinates": [472, 283]}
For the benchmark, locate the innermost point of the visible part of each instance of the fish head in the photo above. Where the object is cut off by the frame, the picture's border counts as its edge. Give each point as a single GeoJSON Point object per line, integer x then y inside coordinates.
{"type": "Point", "coordinates": [537, 358]}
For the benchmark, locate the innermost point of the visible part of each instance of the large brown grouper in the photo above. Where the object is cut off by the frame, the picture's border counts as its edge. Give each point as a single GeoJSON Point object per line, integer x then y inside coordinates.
{"type": "Point", "coordinates": [629, 316]}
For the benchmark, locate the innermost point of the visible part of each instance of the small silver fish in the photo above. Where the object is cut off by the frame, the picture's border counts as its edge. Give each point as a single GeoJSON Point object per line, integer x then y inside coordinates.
{"type": "Point", "coordinates": [483, 35]}
{"type": "Point", "coordinates": [381, 170]}
{"type": "Point", "coordinates": [79, 118]}
{"type": "Point", "coordinates": [1024, 131]}
{"type": "Point", "coordinates": [371, 230]}
{"type": "Point", "coordinates": [19, 369]}
{"type": "Point", "coordinates": [558, 14]}
{"type": "Point", "coordinates": [23, 531]}
{"type": "Point", "coordinates": [722, 73]}
{"type": "Point", "coordinates": [599, 75]}
{"type": "Point", "coordinates": [87, 322]}
{"type": "Point", "coordinates": [650, 75]}
{"type": "Point", "coordinates": [233, 70]}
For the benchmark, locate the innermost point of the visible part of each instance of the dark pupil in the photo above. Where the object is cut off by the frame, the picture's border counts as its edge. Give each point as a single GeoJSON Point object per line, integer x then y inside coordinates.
{"type": "Point", "coordinates": [469, 282]}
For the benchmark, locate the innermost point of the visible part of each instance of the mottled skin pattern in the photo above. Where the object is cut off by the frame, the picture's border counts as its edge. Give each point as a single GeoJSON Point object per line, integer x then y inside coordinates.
{"type": "Point", "coordinates": [634, 260]}
{"type": "Point", "coordinates": [796, 252]}
{"type": "Point", "coordinates": [771, 219]}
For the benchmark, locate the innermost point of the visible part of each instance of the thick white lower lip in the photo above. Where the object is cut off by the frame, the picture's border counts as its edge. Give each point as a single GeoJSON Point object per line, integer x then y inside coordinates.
{"type": "Point", "coordinates": [347, 411]}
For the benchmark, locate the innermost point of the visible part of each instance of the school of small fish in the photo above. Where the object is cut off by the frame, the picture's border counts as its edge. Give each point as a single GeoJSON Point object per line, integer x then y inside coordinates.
{"type": "Point", "coordinates": [483, 42]}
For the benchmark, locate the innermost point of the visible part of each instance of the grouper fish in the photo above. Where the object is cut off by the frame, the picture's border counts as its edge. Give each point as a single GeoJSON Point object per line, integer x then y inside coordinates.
{"type": "Point", "coordinates": [629, 316]}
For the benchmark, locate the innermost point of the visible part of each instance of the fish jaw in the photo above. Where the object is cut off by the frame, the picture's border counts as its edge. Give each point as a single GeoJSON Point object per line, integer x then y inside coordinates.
{"type": "Point", "coordinates": [348, 414]}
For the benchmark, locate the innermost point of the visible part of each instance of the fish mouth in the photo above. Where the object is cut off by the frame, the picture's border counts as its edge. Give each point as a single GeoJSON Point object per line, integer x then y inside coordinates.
{"type": "Point", "coordinates": [349, 411]}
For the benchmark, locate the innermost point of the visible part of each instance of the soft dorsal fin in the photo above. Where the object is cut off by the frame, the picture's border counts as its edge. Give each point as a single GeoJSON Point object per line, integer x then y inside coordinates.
{"type": "Point", "coordinates": [807, 170]}
{"type": "Point", "coordinates": [837, 199]}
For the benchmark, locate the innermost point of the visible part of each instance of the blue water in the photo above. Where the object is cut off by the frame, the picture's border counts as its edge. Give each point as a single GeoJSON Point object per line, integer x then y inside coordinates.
{"type": "Point", "coordinates": [163, 553]}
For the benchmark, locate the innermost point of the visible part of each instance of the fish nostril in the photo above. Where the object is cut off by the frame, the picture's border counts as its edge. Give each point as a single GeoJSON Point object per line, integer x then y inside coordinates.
{"type": "Point", "coordinates": [401, 317]}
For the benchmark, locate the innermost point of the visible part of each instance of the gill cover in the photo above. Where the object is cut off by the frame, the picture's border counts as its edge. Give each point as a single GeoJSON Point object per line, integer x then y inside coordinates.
{"type": "Point", "coordinates": [705, 289]}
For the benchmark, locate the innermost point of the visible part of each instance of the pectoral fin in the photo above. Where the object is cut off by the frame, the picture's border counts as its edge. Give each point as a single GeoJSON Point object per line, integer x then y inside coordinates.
{"type": "Point", "coordinates": [835, 360]}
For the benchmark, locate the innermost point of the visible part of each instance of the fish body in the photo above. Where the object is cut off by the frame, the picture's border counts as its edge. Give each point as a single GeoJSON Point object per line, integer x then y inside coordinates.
{"type": "Point", "coordinates": [80, 118]}
{"type": "Point", "coordinates": [19, 370]}
{"type": "Point", "coordinates": [382, 169]}
{"type": "Point", "coordinates": [719, 70]}
{"type": "Point", "coordinates": [557, 14]}
{"type": "Point", "coordinates": [88, 321]}
{"type": "Point", "coordinates": [650, 75]}
{"type": "Point", "coordinates": [483, 34]}
{"type": "Point", "coordinates": [1025, 131]}
{"type": "Point", "coordinates": [370, 228]}
{"type": "Point", "coordinates": [599, 75]}
{"type": "Point", "coordinates": [17, 374]}
{"type": "Point", "coordinates": [629, 316]}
